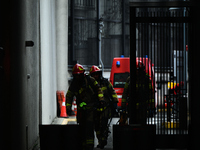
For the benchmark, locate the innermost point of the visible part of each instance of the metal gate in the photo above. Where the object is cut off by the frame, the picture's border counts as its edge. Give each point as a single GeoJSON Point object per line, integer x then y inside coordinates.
{"type": "Point", "coordinates": [159, 31]}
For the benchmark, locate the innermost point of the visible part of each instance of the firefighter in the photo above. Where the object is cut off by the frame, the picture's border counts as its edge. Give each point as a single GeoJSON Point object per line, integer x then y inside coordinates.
{"type": "Point", "coordinates": [144, 95]}
{"type": "Point", "coordinates": [124, 104]}
{"type": "Point", "coordinates": [176, 92]}
{"type": "Point", "coordinates": [104, 114]}
{"type": "Point", "coordinates": [88, 94]}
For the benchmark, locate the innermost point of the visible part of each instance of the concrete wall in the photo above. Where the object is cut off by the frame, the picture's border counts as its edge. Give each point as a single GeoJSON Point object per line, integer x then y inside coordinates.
{"type": "Point", "coordinates": [31, 74]}
{"type": "Point", "coordinates": [30, 19]}
{"type": "Point", "coordinates": [20, 96]}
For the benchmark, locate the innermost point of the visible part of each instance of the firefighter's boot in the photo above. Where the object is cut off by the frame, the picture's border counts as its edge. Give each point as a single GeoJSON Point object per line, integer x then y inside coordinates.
{"type": "Point", "coordinates": [102, 144]}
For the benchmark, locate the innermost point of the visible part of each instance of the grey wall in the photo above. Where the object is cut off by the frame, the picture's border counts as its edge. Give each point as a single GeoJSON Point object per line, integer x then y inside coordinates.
{"type": "Point", "coordinates": [25, 61]}
{"type": "Point", "coordinates": [20, 92]}
{"type": "Point", "coordinates": [31, 65]}
{"type": "Point", "coordinates": [31, 74]}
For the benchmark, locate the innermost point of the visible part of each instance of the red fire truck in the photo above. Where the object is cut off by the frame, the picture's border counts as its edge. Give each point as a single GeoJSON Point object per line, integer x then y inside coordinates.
{"type": "Point", "coordinates": [121, 70]}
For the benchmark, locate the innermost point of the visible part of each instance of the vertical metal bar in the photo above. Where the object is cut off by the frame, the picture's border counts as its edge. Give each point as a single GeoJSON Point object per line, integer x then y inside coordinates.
{"type": "Point", "coordinates": [164, 67]}
{"type": "Point", "coordinates": [158, 62]}
{"type": "Point", "coordinates": [158, 70]}
{"type": "Point", "coordinates": [183, 70]}
{"type": "Point", "coordinates": [176, 64]}
{"type": "Point", "coordinates": [174, 67]}
{"type": "Point", "coordinates": [184, 53]}
{"type": "Point", "coordinates": [132, 64]}
{"type": "Point", "coordinates": [154, 34]}
{"type": "Point", "coordinates": [161, 72]}
{"type": "Point", "coordinates": [139, 37]}
{"type": "Point", "coordinates": [146, 32]}
{"type": "Point", "coordinates": [149, 57]}
{"type": "Point", "coordinates": [151, 39]}
{"type": "Point", "coordinates": [80, 26]}
{"type": "Point", "coordinates": [159, 48]}
{"type": "Point", "coordinates": [181, 48]}
{"type": "Point", "coordinates": [172, 56]}
{"type": "Point", "coordinates": [171, 96]}
{"type": "Point", "coordinates": [162, 63]}
{"type": "Point", "coordinates": [191, 69]}
{"type": "Point", "coordinates": [72, 30]}
{"type": "Point", "coordinates": [97, 29]}
{"type": "Point", "coordinates": [169, 56]}
{"type": "Point", "coordinates": [142, 35]}
{"type": "Point", "coordinates": [180, 68]}
{"type": "Point", "coordinates": [123, 27]}
{"type": "Point", "coordinates": [167, 59]}
{"type": "Point", "coordinates": [159, 116]}
{"type": "Point", "coordinates": [140, 40]}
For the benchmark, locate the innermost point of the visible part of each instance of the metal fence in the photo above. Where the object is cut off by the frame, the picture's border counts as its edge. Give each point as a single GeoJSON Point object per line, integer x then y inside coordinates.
{"type": "Point", "coordinates": [161, 31]}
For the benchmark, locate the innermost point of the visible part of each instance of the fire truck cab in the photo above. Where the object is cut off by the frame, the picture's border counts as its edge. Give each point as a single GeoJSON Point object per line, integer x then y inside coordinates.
{"type": "Point", "coordinates": [121, 70]}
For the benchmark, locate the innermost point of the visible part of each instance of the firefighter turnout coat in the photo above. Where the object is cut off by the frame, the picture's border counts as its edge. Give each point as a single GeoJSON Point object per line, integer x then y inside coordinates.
{"type": "Point", "coordinates": [87, 93]}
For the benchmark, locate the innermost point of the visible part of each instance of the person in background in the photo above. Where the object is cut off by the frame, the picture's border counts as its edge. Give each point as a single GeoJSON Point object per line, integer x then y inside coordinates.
{"type": "Point", "coordinates": [144, 96]}
{"type": "Point", "coordinates": [176, 92]}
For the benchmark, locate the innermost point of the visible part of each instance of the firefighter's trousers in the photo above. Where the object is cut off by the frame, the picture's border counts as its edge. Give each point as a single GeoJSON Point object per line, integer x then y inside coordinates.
{"type": "Point", "coordinates": [85, 118]}
{"type": "Point", "coordinates": [101, 125]}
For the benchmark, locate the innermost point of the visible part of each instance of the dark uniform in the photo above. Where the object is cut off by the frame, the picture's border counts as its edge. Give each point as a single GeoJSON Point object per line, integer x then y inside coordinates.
{"type": "Point", "coordinates": [125, 95]}
{"type": "Point", "coordinates": [104, 113]}
{"type": "Point", "coordinates": [176, 94]}
{"type": "Point", "coordinates": [88, 93]}
{"type": "Point", "coordinates": [144, 96]}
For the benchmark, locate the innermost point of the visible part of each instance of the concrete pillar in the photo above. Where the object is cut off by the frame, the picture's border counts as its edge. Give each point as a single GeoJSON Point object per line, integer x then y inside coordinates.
{"type": "Point", "coordinates": [48, 61]}
{"type": "Point", "coordinates": [62, 44]}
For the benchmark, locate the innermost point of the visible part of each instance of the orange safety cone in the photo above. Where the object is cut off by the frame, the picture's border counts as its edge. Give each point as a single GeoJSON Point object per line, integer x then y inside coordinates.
{"type": "Point", "coordinates": [63, 109]}
{"type": "Point", "coordinates": [62, 94]}
{"type": "Point", "coordinates": [59, 99]}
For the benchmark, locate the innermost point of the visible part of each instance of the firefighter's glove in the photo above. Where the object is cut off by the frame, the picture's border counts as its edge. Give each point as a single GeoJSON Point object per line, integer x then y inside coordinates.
{"type": "Point", "coordinates": [83, 105]}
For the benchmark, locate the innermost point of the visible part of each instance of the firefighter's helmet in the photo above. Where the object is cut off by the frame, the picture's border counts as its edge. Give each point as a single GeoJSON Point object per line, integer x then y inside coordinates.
{"type": "Point", "coordinates": [95, 69]}
{"type": "Point", "coordinates": [139, 65]}
{"type": "Point", "coordinates": [78, 69]}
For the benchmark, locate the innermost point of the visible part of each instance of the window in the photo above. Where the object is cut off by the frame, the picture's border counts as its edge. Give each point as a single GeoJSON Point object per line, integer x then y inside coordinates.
{"type": "Point", "coordinates": [120, 79]}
